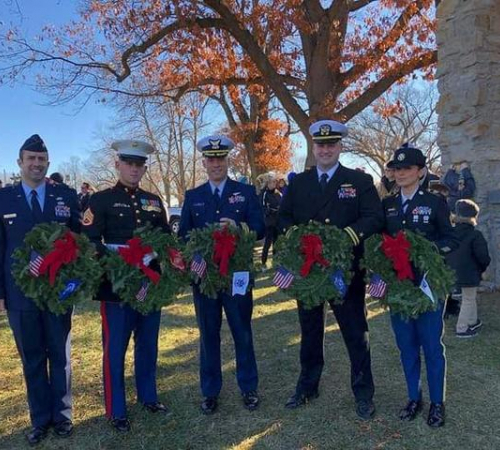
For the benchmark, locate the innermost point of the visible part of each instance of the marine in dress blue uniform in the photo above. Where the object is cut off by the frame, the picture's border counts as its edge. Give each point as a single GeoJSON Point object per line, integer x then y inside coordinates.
{"type": "Point", "coordinates": [42, 338]}
{"type": "Point", "coordinates": [228, 202]}
{"type": "Point", "coordinates": [333, 194]}
{"type": "Point", "coordinates": [416, 209]}
{"type": "Point", "coordinates": [109, 221]}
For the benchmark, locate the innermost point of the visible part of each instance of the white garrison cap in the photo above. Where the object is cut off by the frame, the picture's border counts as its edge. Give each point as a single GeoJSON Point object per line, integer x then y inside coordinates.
{"type": "Point", "coordinates": [132, 149]}
{"type": "Point", "coordinates": [215, 146]}
{"type": "Point", "coordinates": [327, 131]}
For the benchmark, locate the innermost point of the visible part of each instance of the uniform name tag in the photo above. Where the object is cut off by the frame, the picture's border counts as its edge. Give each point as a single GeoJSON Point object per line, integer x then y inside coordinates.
{"type": "Point", "coordinates": [10, 216]}
{"type": "Point", "coordinates": [121, 205]}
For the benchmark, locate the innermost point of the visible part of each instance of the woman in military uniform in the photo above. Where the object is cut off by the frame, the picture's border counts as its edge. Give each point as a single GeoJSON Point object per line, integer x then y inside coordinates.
{"type": "Point", "coordinates": [416, 209]}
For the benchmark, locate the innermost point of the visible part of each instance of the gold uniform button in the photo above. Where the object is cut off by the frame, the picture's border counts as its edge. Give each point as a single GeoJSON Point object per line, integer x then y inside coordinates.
{"type": "Point", "coordinates": [121, 214]}
{"type": "Point", "coordinates": [404, 221]}
{"type": "Point", "coordinates": [135, 203]}
{"type": "Point", "coordinates": [217, 212]}
{"type": "Point", "coordinates": [132, 196]}
{"type": "Point", "coordinates": [138, 220]}
{"type": "Point", "coordinates": [137, 211]}
{"type": "Point", "coordinates": [327, 220]}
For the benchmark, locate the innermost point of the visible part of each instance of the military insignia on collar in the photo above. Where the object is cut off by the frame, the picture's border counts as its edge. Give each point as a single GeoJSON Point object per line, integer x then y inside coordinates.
{"type": "Point", "coordinates": [325, 130]}
{"type": "Point", "coordinates": [215, 144]}
{"type": "Point", "coordinates": [401, 157]}
{"type": "Point", "coordinates": [88, 218]}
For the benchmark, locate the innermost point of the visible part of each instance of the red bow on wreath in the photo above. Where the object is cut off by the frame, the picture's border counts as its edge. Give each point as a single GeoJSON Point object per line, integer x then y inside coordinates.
{"type": "Point", "coordinates": [133, 255]}
{"type": "Point", "coordinates": [311, 246]}
{"type": "Point", "coordinates": [398, 251]}
{"type": "Point", "coordinates": [175, 257]}
{"type": "Point", "coordinates": [65, 252]}
{"type": "Point", "coordinates": [224, 248]}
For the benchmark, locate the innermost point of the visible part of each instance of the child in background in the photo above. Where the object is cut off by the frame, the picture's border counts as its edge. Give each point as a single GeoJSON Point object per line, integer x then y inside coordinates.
{"type": "Point", "coordinates": [469, 261]}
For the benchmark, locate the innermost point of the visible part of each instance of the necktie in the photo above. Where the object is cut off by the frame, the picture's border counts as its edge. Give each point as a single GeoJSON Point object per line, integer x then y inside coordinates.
{"type": "Point", "coordinates": [323, 181]}
{"type": "Point", "coordinates": [405, 205]}
{"type": "Point", "coordinates": [216, 196]}
{"type": "Point", "coordinates": [35, 207]}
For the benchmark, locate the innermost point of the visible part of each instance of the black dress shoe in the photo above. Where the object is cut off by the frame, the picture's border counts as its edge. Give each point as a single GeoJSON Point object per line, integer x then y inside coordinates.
{"type": "Point", "coordinates": [64, 428]}
{"type": "Point", "coordinates": [365, 409]}
{"type": "Point", "coordinates": [157, 407]}
{"type": "Point", "coordinates": [251, 400]}
{"type": "Point", "coordinates": [410, 411]}
{"type": "Point", "coordinates": [298, 400]}
{"type": "Point", "coordinates": [436, 415]}
{"type": "Point", "coordinates": [209, 405]}
{"type": "Point", "coordinates": [37, 435]}
{"type": "Point", "coordinates": [120, 424]}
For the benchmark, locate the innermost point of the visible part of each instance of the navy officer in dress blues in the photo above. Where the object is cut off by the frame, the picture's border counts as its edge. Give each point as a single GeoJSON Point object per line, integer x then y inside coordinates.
{"type": "Point", "coordinates": [212, 203]}
{"type": "Point", "coordinates": [42, 338]}
{"type": "Point", "coordinates": [109, 221]}
{"type": "Point", "coordinates": [416, 209]}
{"type": "Point", "coordinates": [333, 194]}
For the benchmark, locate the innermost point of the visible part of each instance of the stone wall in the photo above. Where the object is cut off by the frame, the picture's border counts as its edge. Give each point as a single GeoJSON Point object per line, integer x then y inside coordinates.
{"type": "Point", "coordinates": [468, 75]}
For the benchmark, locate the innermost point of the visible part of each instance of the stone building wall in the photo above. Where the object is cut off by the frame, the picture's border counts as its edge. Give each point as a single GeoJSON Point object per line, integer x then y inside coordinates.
{"type": "Point", "coordinates": [468, 75]}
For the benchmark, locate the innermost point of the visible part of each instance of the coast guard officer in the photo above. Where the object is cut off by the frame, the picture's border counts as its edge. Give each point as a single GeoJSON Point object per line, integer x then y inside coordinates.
{"type": "Point", "coordinates": [333, 194]}
{"type": "Point", "coordinates": [416, 209]}
{"type": "Point", "coordinates": [42, 338]}
{"type": "Point", "coordinates": [223, 200]}
{"type": "Point", "coordinates": [109, 221]}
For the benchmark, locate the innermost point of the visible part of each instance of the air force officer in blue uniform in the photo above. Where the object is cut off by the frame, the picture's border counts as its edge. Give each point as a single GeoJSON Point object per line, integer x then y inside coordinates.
{"type": "Point", "coordinates": [42, 338]}
{"type": "Point", "coordinates": [225, 201]}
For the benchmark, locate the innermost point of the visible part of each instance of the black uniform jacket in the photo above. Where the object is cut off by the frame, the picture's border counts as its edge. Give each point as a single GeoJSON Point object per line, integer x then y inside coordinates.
{"type": "Point", "coordinates": [427, 213]}
{"type": "Point", "coordinates": [350, 202]}
{"type": "Point", "coordinates": [112, 217]}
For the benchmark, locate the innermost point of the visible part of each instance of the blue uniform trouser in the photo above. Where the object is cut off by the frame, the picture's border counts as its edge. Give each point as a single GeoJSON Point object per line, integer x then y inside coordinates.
{"type": "Point", "coordinates": [238, 311]}
{"type": "Point", "coordinates": [118, 322]}
{"type": "Point", "coordinates": [44, 343]}
{"type": "Point", "coordinates": [425, 331]}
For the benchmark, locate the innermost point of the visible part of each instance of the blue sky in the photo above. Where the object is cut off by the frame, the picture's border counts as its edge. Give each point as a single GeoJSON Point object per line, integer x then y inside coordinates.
{"type": "Point", "coordinates": [64, 131]}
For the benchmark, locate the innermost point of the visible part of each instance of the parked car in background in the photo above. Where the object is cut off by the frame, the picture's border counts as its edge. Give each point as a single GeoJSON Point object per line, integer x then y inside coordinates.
{"type": "Point", "coordinates": [174, 218]}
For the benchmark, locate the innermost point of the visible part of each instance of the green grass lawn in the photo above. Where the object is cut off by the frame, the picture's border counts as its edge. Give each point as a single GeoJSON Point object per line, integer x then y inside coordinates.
{"type": "Point", "coordinates": [329, 422]}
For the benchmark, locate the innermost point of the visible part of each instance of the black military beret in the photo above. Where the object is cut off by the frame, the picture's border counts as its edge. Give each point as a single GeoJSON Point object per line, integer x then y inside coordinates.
{"type": "Point", "coordinates": [34, 144]}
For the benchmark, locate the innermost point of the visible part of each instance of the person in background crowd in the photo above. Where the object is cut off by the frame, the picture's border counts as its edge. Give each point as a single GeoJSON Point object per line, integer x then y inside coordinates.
{"type": "Point", "coordinates": [57, 178]}
{"type": "Point", "coordinates": [43, 339]}
{"type": "Point", "coordinates": [109, 221]}
{"type": "Point", "coordinates": [223, 201]}
{"type": "Point", "coordinates": [416, 209]}
{"type": "Point", "coordinates": [387, 184]}
{"type": "Point", "coordinates": [334, 195]}
{"type": "Point", "coordinates": [282, 185]}
{"type": "Point", "coordinates": [84, 196]}
{"type": "Point", "coordinates": [469, 261]}
{"type": "Point", "coordinates": [289, 177]}
{"type": "Point", "coordinates": [460, 182]}
{"type": "Point", "coordinates": [270, 200]}
{"type": "Point", "coordinates": [1, 184]}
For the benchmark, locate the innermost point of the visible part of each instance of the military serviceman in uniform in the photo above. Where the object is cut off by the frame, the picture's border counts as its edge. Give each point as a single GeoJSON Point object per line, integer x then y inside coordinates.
{"type": "Point", "coordinates": [109, 221]}
{"type": "Point", "coordinates": [42, 338]}
{"type": "Point", "coordinates": [416, 209]}
{"type": "Point", "coordinates": [332, 194]}
{"type": "Point", "coordinates": [228, 202]}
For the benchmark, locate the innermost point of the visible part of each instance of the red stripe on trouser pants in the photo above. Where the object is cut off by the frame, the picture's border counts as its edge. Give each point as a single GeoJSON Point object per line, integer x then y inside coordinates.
{"type": "Point", "coordinates": [105, 361]}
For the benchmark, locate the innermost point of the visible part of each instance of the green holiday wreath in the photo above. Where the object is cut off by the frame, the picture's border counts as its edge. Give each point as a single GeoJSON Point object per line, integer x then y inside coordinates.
{"type": "Point", "coordinates": [147, 287]}
{"type": "Point", "coordinates": [216, 252]}
{"type": "Point", "coordinates": [56, 268]}
{"type": "Point", "coordinates": [318, 258]}
{"type": "Point", "coordinates": [413, 273]}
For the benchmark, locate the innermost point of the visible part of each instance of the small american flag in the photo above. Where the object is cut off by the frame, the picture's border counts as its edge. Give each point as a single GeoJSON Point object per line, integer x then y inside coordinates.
{"type": "Point", "coordinates": [143, 291]}
{"type": "Point", "coordinates": [283, 278]}
{"type": "Point", "coordinates": [198, 265]}
{"type": "Point", "coordinates": [36, 261]}
{"type": "Point", "coordinates": [377, 286]}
